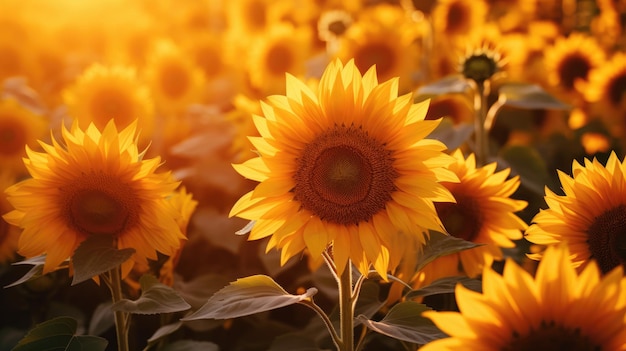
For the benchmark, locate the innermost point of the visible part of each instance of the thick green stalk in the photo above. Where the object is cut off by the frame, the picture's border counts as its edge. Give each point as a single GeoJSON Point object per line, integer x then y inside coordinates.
{"type": "Point", "coordinates": [481, 140]}
{"type": "Point", "coordinates": [346, 309]}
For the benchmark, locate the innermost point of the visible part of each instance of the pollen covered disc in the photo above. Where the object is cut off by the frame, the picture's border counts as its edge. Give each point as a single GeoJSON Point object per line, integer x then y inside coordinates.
{"type": "Point", "coordinates": [345, 176]}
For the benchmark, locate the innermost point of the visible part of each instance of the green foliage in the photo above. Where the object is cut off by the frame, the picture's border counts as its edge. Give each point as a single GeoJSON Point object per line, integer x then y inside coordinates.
{"type": "Point", "coordinates": [404, 321]}
{"type": "Point", "coordinates": [95, 256]}
{"type": "Point", "coordinates": [35, 272]}
{"type": "Point", "coordinates": [528, 164]}
{"type": "Point", "coordinates": [155, 298]}
{"type": "Point", "coordinates": [444, 286]}
{"type": "Point", "coordinates": [453, 84]}
{"type": "Point", "coordinates": [528, 96]}
{"type": "Point", "coordinates": [439, 245]}
{"type": "Point", "coordinates": [246, 296]}
{"type": "Point", "coordinates": [59, 334]}
{"type": "Point", "coordinates": [190, 345]}
{"type": "Point", "coordinates": [453, 135]}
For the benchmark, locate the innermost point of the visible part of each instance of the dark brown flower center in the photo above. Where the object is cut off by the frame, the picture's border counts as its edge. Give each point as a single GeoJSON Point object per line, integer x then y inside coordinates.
{"type": "Point", "coordinates": [462, 219]}
{"type": "Point", "coordinates": [279, 59]}
{"type": "Point", "coordinates": [552, 337]}
{"type": "Point", "coordinates": [617, 89]}
{"type": "Point", "coordinates": [573, 67]}
{"type": "Point", "coordinates": [99, 204]}
{"type": "Point", "coordinates": [174, 80]}
{"type": "Point", "coordinates": [479, 67]}
{"type": "Point", "coordinates": [457, 19]}
{"type": "Point", "coordinates": [377, 53]}
{"type": "Point", "coordinates": [607, 238]}
{"type": "Point", "coordinates": [344, 176]}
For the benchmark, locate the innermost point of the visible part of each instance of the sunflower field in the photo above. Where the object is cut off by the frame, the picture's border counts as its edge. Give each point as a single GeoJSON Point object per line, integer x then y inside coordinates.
{"type": "Point", "coordinates": [313, 175]}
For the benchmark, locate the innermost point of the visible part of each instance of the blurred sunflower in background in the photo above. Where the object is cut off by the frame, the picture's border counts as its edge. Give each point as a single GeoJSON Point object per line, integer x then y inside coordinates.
{"type": "Point", "coordinates": [558, 309]}
{"type": "Point", "coordinates": [103, 93]}
{"type": "Point", "coordinates": [590, 216]}
{"type": "Point", "coordinates": [606, 91]}
{"type": "Point", "coordinates": [19, 127]}
{"type": "Point", "coordinates": [570, 60]}
{"type": "Point", "coordinates": [174, 79]}
{"type": "Point", "coordinates": [455, 19]}
{"type": "Point", "coordinates": [345, 165]}
{"type": "Point", "coordinates": [384, 36]}
{"type": "Point", "coordinates": [283, 49]}
{"type": "Point", "coordinates": [95, 184]}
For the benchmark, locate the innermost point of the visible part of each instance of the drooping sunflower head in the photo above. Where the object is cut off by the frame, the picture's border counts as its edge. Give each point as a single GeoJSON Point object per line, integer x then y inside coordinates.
{"type": "Point", "coordinates": [19, 127]}
{"type": "Point", "coordinates": [481, 64]}
{"type": "Point", "coordinates": [483, 212]}
{"type": "Point", "coordinates": [558, 309]}
{"type": "Point", "coordinates": [97, 183]}
{"type": "Point", "coordinates": [346, 165]}
{"type": "Point", "coordinates": [571, 59]}
{"type": "Point", "coordinates": [103, 93]}
{"type": "Point", "coordinates": [590, 216]}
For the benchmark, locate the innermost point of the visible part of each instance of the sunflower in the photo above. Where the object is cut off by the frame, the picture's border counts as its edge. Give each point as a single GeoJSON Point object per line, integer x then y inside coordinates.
{"type": "Point", "coordinates": [458, 18]}
{"type": "Point", "coordinates": [483, 213]}
{"type": "Point", "coordinates": [283, 48]}
{"type": "Point", "coordinates": [590, 216]}
{"type": "Point", "coordinates": [182, 203]}
{"type": "Point", "coordinates": [98, 184]}
{"type": "Point", "coordinates": [9, 235]}
{"type": "Point", "coordinates": [346, 166]}
{"type": "Point", "coordinates": [556, 310]}
{"type": "Point", "coordinates": [14, 58]}
{"type": "Point", "coordinates": [606, 90]}
{"type": "Point", "coordinates": [383, 36]}
{"type": "Point", "coordinates": [19, 127]}
{"type": "Point", "coordinates": [174, 79]}
{"type": "Point", "coordinates": [570, 59]}
{"type": "Point", "coordinates": [103, 93]}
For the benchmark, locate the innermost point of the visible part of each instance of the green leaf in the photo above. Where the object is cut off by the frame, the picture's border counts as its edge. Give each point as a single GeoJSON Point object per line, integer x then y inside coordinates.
{"type": "Point", "coordinates": [528, 164]}
{"type": "Point", "coordinates": [453, 84]}
{"type": "Point", "coordinates": [155, 298]}
{"type": "Point", "coordinates": [246, 296]}
{"type": "Point", "coordinates": [404, 321]}
{"type": "Point", "coordinates": [529, 96]}
{"type": "Point", "coordinates": [102, 319]}
{"type": "Point", "coordinates": [191, 345]}
{"type": "Point", "coordinates": [162, 332]}
{"type": "Point", "coordinates": [445, 285]}
{"type": "Point", "coordinates": [439, 245]}
{"type": "Point", "coordinates": [97, 255]}
{"type": "Point", "coordinates": [59, 334]}
{"type": "Point", "coordinates": [36, 271]}
{"type": "Point", "coordinates": [452, 135]}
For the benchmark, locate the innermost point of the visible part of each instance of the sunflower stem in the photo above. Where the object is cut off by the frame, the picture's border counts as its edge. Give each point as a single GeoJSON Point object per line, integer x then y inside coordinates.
{"type": "Point", "coordinates": [346, 309]}
{"type": "Point", "coordinates": [481, 141]}
{"type": "Point", "coordinates": [121, 317]}
{"type": "Point", "coordinates": [327, 322]}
